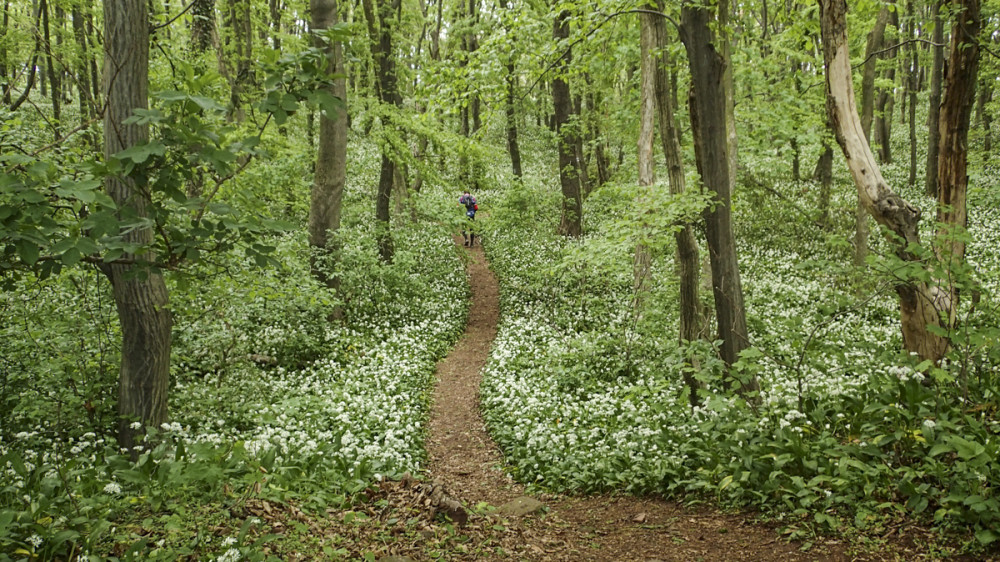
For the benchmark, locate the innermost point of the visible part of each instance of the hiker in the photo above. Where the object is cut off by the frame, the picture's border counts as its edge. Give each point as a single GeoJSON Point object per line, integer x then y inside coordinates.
{"type": "Point", "coordinates": [470, 212]}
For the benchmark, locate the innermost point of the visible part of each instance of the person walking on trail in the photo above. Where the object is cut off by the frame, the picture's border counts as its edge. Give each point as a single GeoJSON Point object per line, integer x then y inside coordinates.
{"type": "Point", "coordinates": [470, 213]}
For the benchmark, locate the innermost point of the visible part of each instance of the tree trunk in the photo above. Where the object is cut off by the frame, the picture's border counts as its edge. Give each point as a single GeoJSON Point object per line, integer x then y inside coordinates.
{"type": "Point", "coordinates": [5, 79]}
{"type": "Point", "coordinates": [934, 102]}
{"type": "Point", "coordinates": [331, 157]}
{"type": "Point", "coordinates": [825, 169]}
{"type": "Point", "coordinates": [983, 116]}
{"type": "Point", "coordinates": [274, 8]}
{"type": "Point", "coordinates": [512, 146]}
{"type": "Point", "coordinates": [921, 304]}
{"type": "Point", "coordinates": [203, 33]}
{"type": "Point", "coordinates": [140, 294]}
{"type": "Point", "coordinates": [956, 111]}
{"type": "Point", "coordinates": [54, 75]}
{"type": "Point", "coordinates": [875, 40]}
{"type": "Point", "coordinates": [709, 127]}
{"type": "Point", "coordinates": [87, 109]}
{"type": "Point", "coordinates": [571, 222]}
{"type": "Point", "coordinates": [884, 103]}
{"type": "Point", "coordinates": [643, 258]}
{"type": "Point", "coordinates": [33, 63]}
{"type": "Point", "coordinates": [912, 64]}
{"type": "Point", "coordinates": [241, 34]}
{"type": "Point", "coordinates": [380, 34]}
{"type": "Point", "coordinates": [692, 323]}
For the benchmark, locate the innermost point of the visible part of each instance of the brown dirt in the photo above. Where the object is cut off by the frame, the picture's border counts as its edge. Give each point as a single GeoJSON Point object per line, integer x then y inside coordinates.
{"type": "Point", "coordinates": [464, 458]}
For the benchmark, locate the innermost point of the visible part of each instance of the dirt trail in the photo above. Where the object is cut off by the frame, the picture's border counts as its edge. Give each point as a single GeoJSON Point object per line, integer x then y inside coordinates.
{"type": "Point", "coordinates": [465, 459]}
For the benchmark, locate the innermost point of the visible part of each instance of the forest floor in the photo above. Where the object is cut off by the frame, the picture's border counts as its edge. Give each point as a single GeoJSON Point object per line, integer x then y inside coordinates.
{"type": "Point", "coordinates": [469, 508]}
{"type": "Point", "coordinates": [467, 463]}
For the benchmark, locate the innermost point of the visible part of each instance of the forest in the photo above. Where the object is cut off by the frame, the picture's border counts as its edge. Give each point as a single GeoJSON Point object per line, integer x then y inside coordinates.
{"type": "Point", "coordinates": [735, 263]}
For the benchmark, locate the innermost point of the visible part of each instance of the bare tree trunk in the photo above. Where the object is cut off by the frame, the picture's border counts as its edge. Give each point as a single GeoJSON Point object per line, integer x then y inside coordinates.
{"type": "Point", "coordinates": [274, 8]}
{"type": "Point", "coordinates": [50, 65]}
{"type": "Point", "coordinates": [956, 111]}
{"type": "Point", "coordinates": [643, 258]}
{"type": "Point", "coordinates": [380, 34]}
{"type": "Point", "coordinates": [87, 109]}
{"type": "Point", "coordinates": [692, 323]}
{"type": "Point", "coordinates": [512, 147]}
{"type": "Point", "coordinates": [934, 110]}
{"type": "Point", "coordinates": [571, 223]}
{"type": "Point", "coordinates": [983, 116]}
{"type": "Point", "coordinates": [709, 127]}
{"type": "Point", "coordinates": [875, 40]}
{"type": "Point", "coordinates": [140, 296]}
{"type": "Point", "coordinates": [922, 305]}
{"type": "Point", "coordinates": [912, 64]}
{"type": "Point", "coordinates": [825, 168]}
{"type": "Point", "coordinates": [331, 158]}
{"type": "Point", "coordinates": [884, 103]}
{"type": "Point", "coordinates": [33, 63]}
{"type": "Point", "coordinates": [5, 79]}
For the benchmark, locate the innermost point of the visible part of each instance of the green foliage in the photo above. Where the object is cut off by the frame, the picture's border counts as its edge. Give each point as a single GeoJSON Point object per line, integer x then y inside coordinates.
{"type": "Point", "coordinates": [848, 432]}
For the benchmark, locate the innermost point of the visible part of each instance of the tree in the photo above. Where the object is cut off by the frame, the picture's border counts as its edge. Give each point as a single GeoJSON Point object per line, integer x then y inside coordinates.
{"type": "Point", "coordinates": [934, 100]}
{"type": "Point", "coordinates": [380, 34]}
{"type": "Point", "coordinates": [139, 292]}
{"type": "Point", "coordinates": [708, 103]}
{"type": "Point", "coordinates": [692, 323]}
{"type": "Point", "coordinates": [331, 157]}
{"type": "Point", "coordinates": [571, 222]}
{"type": "Point", "coordinates": [927, 308]}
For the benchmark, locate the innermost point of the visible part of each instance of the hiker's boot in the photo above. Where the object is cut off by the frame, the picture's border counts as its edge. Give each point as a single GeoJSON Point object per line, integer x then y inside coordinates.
{"type": "Point", "coordinates": [472, 240]}
{"type": "Point", "coordinates": [466, 241]}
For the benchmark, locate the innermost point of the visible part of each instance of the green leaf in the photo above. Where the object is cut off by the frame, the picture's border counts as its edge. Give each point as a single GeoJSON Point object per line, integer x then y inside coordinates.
{"type": "Point", "coordinates": [27, 251]}
{"type": "Point", "coordinates": [986, 536]}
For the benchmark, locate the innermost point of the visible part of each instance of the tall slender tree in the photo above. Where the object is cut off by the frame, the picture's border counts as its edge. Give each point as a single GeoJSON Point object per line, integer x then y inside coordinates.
{"type": "Point", "coordinates": [571, 221]}
{"type": "Point", "coordinates": [380, 34]}
{"type": "Point", "coordinates": [331, 158]}
{"type": "Point", "coordinates": [934, 99]}
{"type": "Point", "coordinates": [140, 293]}
{"type": "Point", "coordinates": [692, 323]}
{"type": "Point", "coordinates": [708, 107]}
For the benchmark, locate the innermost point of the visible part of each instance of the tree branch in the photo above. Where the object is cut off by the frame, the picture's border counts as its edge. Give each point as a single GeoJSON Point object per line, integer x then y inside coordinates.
{"type": "Point", "coordinates": [896, 46]}
{"type": "Point", "coordinates": [173, 19]}
{"type": "Point", "coordinates": [579, 40]}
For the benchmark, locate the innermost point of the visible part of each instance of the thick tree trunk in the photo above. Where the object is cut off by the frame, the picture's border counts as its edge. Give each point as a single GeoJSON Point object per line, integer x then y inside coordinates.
{"type": "Point", "coordinates": [140, 296]}
{"type": "Point", "coordinates": [571, 223]}
{"type": "Point", "coordinates": [934, 102]}
{"type": "Point", "coordinates": [692, 323]}
{"type": "Point", "coordinates": [331, 158]}
{"type": "Point", "coordinates": [920, 303]}
{"type": "Point", "coordinates": [709, 127]}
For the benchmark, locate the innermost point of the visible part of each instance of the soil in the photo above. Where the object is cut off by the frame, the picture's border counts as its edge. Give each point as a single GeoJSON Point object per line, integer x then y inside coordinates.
{"type": "Point", "coordinates": [464, 460]}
